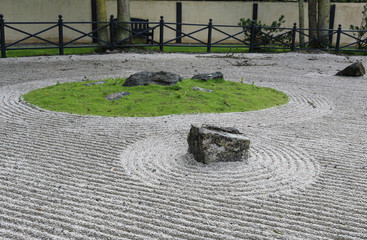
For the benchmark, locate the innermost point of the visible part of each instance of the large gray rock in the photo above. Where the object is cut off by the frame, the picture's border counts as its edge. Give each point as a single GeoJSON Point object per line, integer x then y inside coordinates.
{"type": "Point", "coordinates": [354, 70]}
{"type": "Point", "coordinates": [207, 76]}
{"type": "Point", "coordinates": [211, 144]}
{"type": "Point", "coordinates": [145, 78]}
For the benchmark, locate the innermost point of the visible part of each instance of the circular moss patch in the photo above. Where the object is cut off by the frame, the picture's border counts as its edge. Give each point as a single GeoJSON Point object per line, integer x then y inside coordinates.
{"type": "Point", "coordinates": [187, 97]}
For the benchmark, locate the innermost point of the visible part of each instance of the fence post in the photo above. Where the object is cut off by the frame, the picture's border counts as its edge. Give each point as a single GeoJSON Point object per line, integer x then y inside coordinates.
{"type": "Point", "coordinates": [161, 26]}
{"type": "Point", "coordinates": [255, 7]}
{"type": "Point", "coordinates": [112, 32]}
{"type": "Point", "coordinates": [331, 22]}
{"type": "Point", "coordinates": [252, 36]}
{"type": "Point", "coordinates": [294, 30]}
{"type": "Point", "coordinates": [94, 21]}
{"type": "Point", "coordinates": [2, 36]}
{"type": "Point", "coordinates": [339, 31]}
{"type": "Point", "coordinates": [210, 27]}
{"type": "Point", "coordinates": [178, 22]}
{"type": "Point", "coordinates": [61, 36]}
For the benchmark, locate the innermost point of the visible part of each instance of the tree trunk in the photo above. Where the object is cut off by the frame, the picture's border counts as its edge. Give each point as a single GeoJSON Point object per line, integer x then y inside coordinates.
{"type": "Point", "coordinates": [101, 17]}
{"type": "Point", "coordinates": [312, 23]}
{"type": "Point", "coordinates": [301, 11]}
{"type": "Point", "coordinates": [323, 20]}
{"type": "Point", "coordinates": [123, 15]}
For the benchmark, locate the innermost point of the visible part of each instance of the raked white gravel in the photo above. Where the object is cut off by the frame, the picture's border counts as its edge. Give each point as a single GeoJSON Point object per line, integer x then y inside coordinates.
{"type": "Point", "coordinates": [65, 176]}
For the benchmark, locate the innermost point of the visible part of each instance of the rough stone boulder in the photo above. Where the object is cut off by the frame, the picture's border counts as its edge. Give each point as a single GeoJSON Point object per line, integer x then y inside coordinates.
{"type": "Point", "coordinates": [145, 78]}
{"type": "Point", "coordinates": [116, 96]}
{"type": "Point", "coordinates": [354, 70]}
{"type": "Point", "coordinates": [211, 144]}
{"type": "Point", "coordinates": [207, 76]}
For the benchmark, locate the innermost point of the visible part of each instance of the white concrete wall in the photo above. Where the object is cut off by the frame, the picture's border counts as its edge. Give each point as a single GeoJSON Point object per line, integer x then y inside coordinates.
{"type": "Point", "coordinates": [45, 10]}
{"type": "Point", "coordinates": [222, 12]}
{"type": "Point", "coordinates": [229, 13]}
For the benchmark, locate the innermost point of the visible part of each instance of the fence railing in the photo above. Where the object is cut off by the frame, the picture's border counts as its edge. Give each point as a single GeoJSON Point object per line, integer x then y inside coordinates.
{"type": "Point", "coordinates": [252, 37]}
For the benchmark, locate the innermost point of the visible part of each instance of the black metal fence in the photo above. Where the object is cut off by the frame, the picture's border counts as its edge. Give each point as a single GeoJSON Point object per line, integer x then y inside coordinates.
{"type": "Point", "coordinates": [252, 37]}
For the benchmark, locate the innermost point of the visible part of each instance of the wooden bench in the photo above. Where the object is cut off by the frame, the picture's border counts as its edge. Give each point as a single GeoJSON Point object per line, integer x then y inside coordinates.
{"type": "Point", "coordinates": [138, 26]}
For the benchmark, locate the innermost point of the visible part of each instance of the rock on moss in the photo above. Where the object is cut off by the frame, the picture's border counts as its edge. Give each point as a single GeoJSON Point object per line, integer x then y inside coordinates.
{"type": "Point", "coordinates": [159, 78]}
{"type": "Point", "coordinates": [207, 76]}
{"type": "Point", "coordinates": [116, 96]}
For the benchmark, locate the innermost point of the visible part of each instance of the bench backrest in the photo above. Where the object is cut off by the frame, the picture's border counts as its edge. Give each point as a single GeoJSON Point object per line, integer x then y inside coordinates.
{"type": "Point", "coordinates": [139, 25]}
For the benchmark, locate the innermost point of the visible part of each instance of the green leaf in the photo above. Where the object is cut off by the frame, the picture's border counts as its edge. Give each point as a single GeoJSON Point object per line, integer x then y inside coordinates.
{"type": "Point", "coordinates": [277, 232]}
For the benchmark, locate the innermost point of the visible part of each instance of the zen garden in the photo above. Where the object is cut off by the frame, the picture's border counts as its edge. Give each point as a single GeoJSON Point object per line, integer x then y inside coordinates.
{"type": "Point", "coordinates": [163, 119]}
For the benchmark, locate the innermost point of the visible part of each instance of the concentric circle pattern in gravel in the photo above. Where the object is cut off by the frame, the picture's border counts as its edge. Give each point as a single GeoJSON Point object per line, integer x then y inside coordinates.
{"type": "Point", "coordinates": [270, 168]}
{"type": "Point", "coordinates": [65, 176]}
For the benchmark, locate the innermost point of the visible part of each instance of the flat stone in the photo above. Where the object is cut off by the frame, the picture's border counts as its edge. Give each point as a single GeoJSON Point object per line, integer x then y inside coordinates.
{"type": "Point", "coordinates": [159, 78]}
{"type": "Point", "coordinates": [354, 70]}
{"type": "Point", "coordinates": [201, 89]}
{"type": "Point", "coordinates": [210, 144]}
{"type": "Point", "coordinates": [94, 83]}
{"type": "Point", "coordinates": [116, 96]}
{"type": "Point", "coordinates": [206, 76]}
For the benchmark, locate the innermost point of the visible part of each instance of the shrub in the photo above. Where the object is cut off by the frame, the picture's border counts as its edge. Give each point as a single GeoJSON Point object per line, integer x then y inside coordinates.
{"type": "Point", "coordinates": [361, 44]}
{"type": "Point", "coordinates": [265, 34]}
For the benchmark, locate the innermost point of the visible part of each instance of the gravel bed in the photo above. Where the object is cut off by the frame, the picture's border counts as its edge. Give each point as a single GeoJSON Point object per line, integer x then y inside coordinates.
{"type": "Point", "coordinates": [65, 176]}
